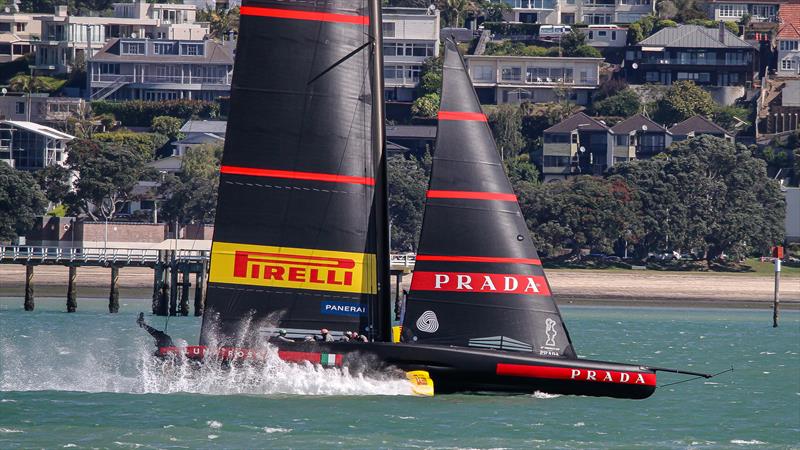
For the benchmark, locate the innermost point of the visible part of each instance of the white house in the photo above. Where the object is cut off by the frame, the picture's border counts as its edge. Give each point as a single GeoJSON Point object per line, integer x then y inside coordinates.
{"type": "Point", "coordinates": [410, 36]}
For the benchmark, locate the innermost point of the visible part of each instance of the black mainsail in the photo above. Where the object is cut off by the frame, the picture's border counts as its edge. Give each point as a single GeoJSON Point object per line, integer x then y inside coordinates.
{"type": "Point", "coordinates": [478, 281]}
{"type": "Point", "coordinates": [299, 234]}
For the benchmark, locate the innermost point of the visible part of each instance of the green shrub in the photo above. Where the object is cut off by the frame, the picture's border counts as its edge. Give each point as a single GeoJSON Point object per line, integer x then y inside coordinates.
{"type": "Point", "coordinates": [141, 113]}
{"type": "Point", "coordinates": [530, 29]}
{"type": "Point", "coordinates": [143, 145]}
{"type": "Point", "coordinates": [426, 106]}
{"type": "Point", "coordinates": [587, 51]}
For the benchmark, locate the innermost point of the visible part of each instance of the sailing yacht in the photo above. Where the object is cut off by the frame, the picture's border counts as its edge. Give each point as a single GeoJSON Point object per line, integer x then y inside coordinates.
{"type": "Point", "coordinates": [301, 234]}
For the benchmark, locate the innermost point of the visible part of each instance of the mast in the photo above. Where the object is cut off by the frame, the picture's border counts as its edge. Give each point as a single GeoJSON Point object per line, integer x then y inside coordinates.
{"type": "Point", "coordinates": [380, 319]}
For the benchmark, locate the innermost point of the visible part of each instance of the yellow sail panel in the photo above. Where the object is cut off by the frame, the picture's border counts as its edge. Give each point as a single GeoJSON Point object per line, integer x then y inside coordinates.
{"type": "Point", "coordinates": [293, 268]}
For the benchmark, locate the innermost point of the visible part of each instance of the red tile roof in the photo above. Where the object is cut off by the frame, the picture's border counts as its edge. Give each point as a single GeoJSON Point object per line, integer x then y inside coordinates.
{"type": "Point", "coordinates": [790, 22]}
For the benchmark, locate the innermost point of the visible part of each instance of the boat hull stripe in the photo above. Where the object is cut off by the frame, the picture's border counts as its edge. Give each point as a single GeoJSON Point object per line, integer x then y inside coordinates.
{"type": "Point", "coordinates": [290, 174]}
{"type": "Point", "coordinates": [577, 374]}
{"type": "Point", "coordinates": [472, 195]}
{"type": "Point", "coordinates": [460, 115]}
{"type": "Point", "coordinates": [479, 259]}
{"type": "Point", "coordinates": [303, 15]}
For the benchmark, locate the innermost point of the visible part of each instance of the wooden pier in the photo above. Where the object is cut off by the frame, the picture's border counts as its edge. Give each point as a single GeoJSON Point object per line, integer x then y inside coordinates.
{"type": "Point", "coordinates": [172, 273]}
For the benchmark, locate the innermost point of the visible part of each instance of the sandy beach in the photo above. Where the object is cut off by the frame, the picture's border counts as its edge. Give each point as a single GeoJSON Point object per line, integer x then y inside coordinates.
{"type": "Point", "coordinates": [570, 286]}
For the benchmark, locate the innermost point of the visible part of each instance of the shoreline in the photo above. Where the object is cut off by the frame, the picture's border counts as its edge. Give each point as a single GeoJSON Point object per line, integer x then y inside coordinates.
{"type": "Point", "coordinates": [570, 287]}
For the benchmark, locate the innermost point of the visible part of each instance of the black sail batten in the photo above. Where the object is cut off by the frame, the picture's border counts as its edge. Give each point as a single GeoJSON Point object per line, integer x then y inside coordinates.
{"type": "Point", "coordinates": [295, 241]}
{"type": "Point", "coordinates": [478, 280]}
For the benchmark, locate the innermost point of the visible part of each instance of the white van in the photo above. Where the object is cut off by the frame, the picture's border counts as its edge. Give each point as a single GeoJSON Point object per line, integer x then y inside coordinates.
{"type": "Point", "coordinates": [553, 32]}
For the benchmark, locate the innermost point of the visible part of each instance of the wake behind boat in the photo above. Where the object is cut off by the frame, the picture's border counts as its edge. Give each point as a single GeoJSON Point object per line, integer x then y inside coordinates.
{"type": "Point", "coordinates": [301, 234]}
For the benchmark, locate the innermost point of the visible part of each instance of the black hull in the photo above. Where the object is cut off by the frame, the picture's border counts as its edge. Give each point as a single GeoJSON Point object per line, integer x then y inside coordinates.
{"type": "Point", "coordinates": [462, 369]}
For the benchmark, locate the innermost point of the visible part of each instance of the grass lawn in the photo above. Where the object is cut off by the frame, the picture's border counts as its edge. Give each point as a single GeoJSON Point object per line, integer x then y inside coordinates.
{"type": "Point", "coordinates": [757, 268]}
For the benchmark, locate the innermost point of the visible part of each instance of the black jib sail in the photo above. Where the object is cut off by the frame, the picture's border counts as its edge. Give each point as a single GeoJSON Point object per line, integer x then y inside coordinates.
{"type": "Point", "coordinates": [296, 240]}
{"type": "Point", "coordinates": [478, 281]}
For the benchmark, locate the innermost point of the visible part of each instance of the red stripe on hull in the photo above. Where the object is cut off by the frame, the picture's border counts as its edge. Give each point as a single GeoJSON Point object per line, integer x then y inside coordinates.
{"type": "Point", "coordinates": [302, 15]}
{"type": "Point", "coordinates": [473, 195]}
{"type": "Point", "coordinates": [313, 176]}
{"type": "Point", "coordinates": [577, 374]}
{"type": "Point", "coordinates": [479, 259]}
{"type": "Point", "coordinates": [459, 115]}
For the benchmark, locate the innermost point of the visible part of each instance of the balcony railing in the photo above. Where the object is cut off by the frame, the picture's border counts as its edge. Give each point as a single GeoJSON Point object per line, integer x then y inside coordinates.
{"type": "Point", "coordinates": [695, 61]}
{"type": "Point", "coordinates": [186, 78]}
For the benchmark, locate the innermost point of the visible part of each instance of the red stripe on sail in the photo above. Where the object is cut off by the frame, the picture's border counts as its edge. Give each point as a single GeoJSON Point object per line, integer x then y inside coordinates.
{"type": "Point", "coordinates": [460, 115]}
{"type": "Point", "coordinates": [302, 15]}
{"type": "Point", "coordinates": [269, 173]}
{"type": "Point", "coordinates": [473, 195]}
{"type": "Point", "coordinates": [484, 283]}
{"type": "Point", "coordinates": [480, 259]}
{"type": "Point", "coordinates": [576, 374]}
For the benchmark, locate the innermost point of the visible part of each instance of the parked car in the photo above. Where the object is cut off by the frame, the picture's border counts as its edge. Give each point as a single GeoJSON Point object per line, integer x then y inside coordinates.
{"type": "Point", "coordinates": [553, 32]}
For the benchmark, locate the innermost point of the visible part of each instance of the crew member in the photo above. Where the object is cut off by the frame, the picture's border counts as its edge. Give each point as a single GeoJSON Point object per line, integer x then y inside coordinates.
{"type": "Point", "coordinates": [346, 337]}
{"type": "Point", "coordinates": [324, 336]}
{"type": "Point", "coordinates": [282, 336]}
{"type": "Point", "coordinates": [162, 339]}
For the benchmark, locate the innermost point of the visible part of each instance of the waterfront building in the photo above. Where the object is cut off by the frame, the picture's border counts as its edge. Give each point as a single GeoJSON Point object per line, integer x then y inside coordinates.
{"type": "Point", "coordinates": [516, 79]}
{"type": "Point", "coordinates": [637, 137]}
{"type": "Point", "coordinates": [160, 69]}
{"type": "Point", "coordinates": [787, 41]}
{"type": "Point", "coordinates": [19, 34]}
{"type": "Point", "coordinates": [733, 10]}
{"type": "Point", "coordinates": [591, 12]}
{"type": "Point", "coordinates": [577, 145]}
{"type": "Point", "coordinates": [69, 40]}
{"type": "Point", "coordinates": [707, 56]}
{"type": "Point", "coordinates": [40, 108]}
{"type": "Point", "coordinates": [31, 146]}
{"type": "Point", "coordinates": [410, 36]}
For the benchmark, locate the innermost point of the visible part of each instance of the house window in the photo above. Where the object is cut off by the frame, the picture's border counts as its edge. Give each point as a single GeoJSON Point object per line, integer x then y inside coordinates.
{"type": "Point", "coordinates": [392, 49]}
{"type": "Point", "coordinates": [132, 48]}
{"type": "Point", "coordinates": [634, 2]}
{"type": "Point", "coordinates": [419, 49]}
{"type": "Point", "coordinates": [412, 73]}
{"type": "Point", "coordinates": [388, 29]}
{"type": "Point", "coordinates": [556, 138]}
{"type": "Point", "coordinates": [732, 10]}
{"type": "Point", "coordinates": [393, 72]}
{"type": "Point", "coordinates": [764, 11]}
{"type": "Point", "coordinates": [192, 49]}
{"type": "Point", "coordinates": [106, 68]}
{"type": "Point", "coordinates": [584, 77]}
{"type": "Point", "coordinates": [788, 45]}
{"type": "Point", "coordinates": [574, 138]}
{"type": "Point", "coordinates": [483, 73]}
{"type": "Point", "coordinates": [511, 74]}
{"type": "Point", "coordinates": [5, 27]}
{"type": "Point", "coordinates": [622, 139]}
{"type": "Point", "coordinates": [21, 27]}
{"type": "Point", "coordinates": [787, 64]}
{"type": "Point", "coordinates": [556, 161]}
{"type": "Point", "coordinates": [651, 76]}
{"type": "Point", "coordinates": [163, 49]}
{"type": "Point", "coordinates": [20, 108]}
{"type": "Point", "coordinates": [597, 19]}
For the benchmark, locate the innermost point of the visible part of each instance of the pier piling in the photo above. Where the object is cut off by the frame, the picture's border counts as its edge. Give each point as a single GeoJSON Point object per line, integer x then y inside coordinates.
{"type": "Point", "coordinates": [29, 302]}
{"type": "Point", "coordinates": [173, 284]}
{"type": "Point", "coordinates": [777, 299]}
{"type": "Point", "coordinates": [200, 289]}
{"type": "Point", "coordinates": [164, 302]}
{"type": "Point", "coordinates": [185, 284]}
{"type": "Point", "coordinates": [113, 296]}
{"type": "Point", "coordinates": [157, 276]}
{"type": "Point", "coordinates": [72, 290]}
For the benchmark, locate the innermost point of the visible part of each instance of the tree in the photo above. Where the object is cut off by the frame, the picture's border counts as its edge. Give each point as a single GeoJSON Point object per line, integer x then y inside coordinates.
{"type": "Point", "coordinates": [106, 175]}
{"type": "Point", "coordinates": [624, 104]}
{"type": "Point", "coordinates": [586, 51]}
{"type": "Point", "coordinates": [571, 41]}
{"type": "Point", "coordinates": [408, 3]}
{"type": "Point", "coordinates": [54, 182]}
{"type": "Point", "coordinates": [520, 170]}
{"type": "Point", "coordinates": [190, 196]}
{"type": "Point", "coordinates": [142, 144]}
{"type": "Point", "coordinates": [168, 126]}
{"type": "Point", "coordinates": [683, 100]}
{"type": "Point", "coordinates": [431, 75]}
{"type": "Point", "coordinates": [452, 11]}
{"type": "Point", "coordinates": [731, 117]}
{"type": "Point", "coordinates": [221, 21]}
{"type": "Point", "coordinates": [426, 106]}
{"type": "Point", "coordinates": [21, 202]}
{"type": "Point", "coordinates": [581, 212]}
{"type": "Point", "coordinates": [407, 185]}
{"type": "Point", "coordinates": [506, 123]}
{"type": "Point", "coordinates": [666, 9]}
{"type": "Point", "coordinates": [493, 11]}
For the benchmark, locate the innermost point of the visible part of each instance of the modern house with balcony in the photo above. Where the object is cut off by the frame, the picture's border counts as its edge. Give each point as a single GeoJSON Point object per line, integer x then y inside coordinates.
{"type": "Point", "coordinates": [578, 145]}
{"type": "Point", "coordinates": [637, 137]}
{"type": "Point", "coordinates": [410, 36]}
{"type": "Point", "coordinates": [40, 108]}
{"type": "Point", "coordinates": [591, 12]}
{"type": "Point", "coordinates": [70, 40]}
{"type": "Point", "coordinates": [19, 34]}
{"type": "Point", "coordinates": [517, 79]}
{"type": "Point", "coordinates": [31, 146]}
{"type": "Point", "coordinates": [156, 69]}
{"type": "Point", "coordinates": [707, 56]}
{"type": "Point", "coordinates": [733, 10]}
{"type": "Point", "coordinates": [787, 40]}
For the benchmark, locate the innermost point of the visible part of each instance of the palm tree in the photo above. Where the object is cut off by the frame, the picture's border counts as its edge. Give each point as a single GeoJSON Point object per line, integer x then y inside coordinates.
{"type": "Point", "coordinates": [452, 11]}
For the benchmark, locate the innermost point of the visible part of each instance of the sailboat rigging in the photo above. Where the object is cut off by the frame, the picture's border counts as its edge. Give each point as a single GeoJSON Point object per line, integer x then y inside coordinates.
{"type": "Point", "coordinates": [301, 233]}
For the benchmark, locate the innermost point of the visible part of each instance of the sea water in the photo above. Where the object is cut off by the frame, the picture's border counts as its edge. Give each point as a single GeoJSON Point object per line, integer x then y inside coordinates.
{"type": "Point", "coordinates": [85, 380]}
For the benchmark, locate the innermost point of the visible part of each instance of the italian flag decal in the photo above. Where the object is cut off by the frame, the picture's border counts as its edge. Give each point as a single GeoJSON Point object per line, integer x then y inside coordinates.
{"type": "Point", "coordinates": [327, 359]}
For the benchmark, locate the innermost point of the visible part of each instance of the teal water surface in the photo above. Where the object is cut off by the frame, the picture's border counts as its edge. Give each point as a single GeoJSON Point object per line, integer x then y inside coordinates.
{"type": "Point", "coordinates": [85, 380]}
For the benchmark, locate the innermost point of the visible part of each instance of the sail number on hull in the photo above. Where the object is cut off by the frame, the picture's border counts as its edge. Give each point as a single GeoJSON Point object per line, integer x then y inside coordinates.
{"type": "Point", "coordinates": [294, 268]}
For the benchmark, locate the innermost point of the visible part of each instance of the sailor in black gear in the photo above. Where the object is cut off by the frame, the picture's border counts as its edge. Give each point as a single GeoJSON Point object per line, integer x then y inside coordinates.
{"type": "Point", "coordinates": [162, 339]}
